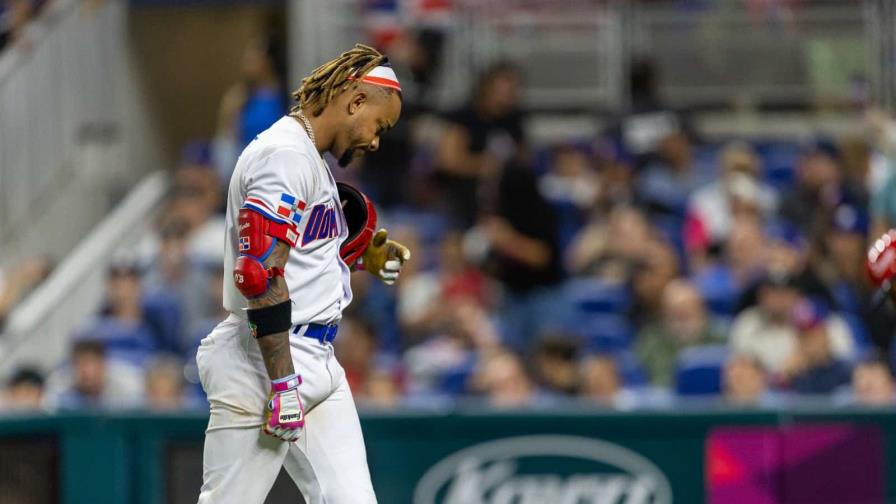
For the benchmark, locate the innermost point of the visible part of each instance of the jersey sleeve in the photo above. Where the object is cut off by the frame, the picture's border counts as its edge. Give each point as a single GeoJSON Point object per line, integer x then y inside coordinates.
{"type": "Point", "coordinates": [280, 185]}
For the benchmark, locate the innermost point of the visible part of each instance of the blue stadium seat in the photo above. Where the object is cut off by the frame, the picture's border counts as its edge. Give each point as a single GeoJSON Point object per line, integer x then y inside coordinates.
{"type": "Point", "coordinates": [719, 291]}
{"type": "Point", "coordinates": [630, 369]}
{"type": "Point", "coordinates": [699, 370]}
{"type": "Point", "coordinates": [604, 332]}
{"type": "Point", "coordinates": [779, 160]}
{"type": "Point", "coordinates": [598, 297]}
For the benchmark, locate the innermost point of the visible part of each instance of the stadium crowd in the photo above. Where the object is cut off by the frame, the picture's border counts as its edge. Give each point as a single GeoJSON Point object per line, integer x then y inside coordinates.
{"type": "Point", "coordinates": [643, 268]}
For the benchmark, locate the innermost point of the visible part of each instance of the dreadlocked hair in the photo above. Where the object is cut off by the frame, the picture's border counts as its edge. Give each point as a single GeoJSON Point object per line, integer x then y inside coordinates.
{"type": "Point", "coordinates": [334, 77]}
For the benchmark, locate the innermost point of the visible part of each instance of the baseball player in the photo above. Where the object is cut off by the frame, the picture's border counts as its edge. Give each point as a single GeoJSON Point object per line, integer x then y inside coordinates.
{"type": "Point", "coordinates": [293, 238]}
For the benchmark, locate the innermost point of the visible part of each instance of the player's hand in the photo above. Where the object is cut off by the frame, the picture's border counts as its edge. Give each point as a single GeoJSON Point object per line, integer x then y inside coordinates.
{"type": "Point", "coordinates": [384, 257]}
{"type": "Point", "coordinates": [284, 415]}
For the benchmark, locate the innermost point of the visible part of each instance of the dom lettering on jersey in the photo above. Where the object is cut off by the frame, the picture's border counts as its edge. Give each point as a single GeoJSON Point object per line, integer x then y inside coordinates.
{"type": "Point", "coordinates": [323, 223]}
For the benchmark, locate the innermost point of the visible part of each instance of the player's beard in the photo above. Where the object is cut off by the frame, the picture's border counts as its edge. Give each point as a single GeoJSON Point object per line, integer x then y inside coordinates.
{"type": "Point", "coordinates": [346, 157]}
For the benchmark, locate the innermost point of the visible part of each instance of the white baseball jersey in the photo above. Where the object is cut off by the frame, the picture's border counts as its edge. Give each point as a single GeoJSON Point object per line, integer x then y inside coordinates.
{"type": "Point", "coordinates": [281, 175]}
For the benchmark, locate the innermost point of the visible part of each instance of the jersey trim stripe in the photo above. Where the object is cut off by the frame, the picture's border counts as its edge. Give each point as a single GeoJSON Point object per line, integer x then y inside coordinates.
{"type": "Point", "coordinates": [260, 203]}
{"type": "Point", "coordinates": [267, 214]}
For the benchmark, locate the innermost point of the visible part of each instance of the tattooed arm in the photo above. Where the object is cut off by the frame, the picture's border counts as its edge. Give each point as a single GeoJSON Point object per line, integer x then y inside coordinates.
{"type": "Point", "coordinates": [275, 347]}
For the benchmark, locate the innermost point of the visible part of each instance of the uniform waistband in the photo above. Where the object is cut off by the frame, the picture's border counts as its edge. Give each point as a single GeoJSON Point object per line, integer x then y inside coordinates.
{"type": "Point", "coordinates": [320, 332]}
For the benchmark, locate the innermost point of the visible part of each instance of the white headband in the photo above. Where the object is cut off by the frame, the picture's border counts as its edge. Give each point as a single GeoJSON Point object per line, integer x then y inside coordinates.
{"type": "Point", "coordinates": [381, 76]}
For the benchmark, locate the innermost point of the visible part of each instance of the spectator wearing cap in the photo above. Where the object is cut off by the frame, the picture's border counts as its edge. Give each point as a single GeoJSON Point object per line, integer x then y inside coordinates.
{"type": "Point", "coordinates": [768, 332]}
{"type": "Point", "coordinates": [872, 384]}
{"type": "Point", "coordinates": [684, 323]}
{"type": "Point", "coordinates": [814, 368]}
{"type": "Point", "coordinates": [24, 391]}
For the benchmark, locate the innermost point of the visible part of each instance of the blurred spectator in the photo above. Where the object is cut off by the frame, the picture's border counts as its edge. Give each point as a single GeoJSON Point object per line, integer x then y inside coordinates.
{"type": "Point", "coordinates": [24, 391]}
{"type": "Point", "coordinates": [872, 384]}
{"type": "Point", "coordinates": [420, 55]}
{"type": "Point", "coordinates": [600, 379]}
{"type": "Point", "coordinates": [724, 276]}
{"type": "Point", "coordinates": [382, 390]}
{"type": "Point", "coordinates": [525, 257]}
{"type": "Point", "coordinates": [641, 128]}
{"type": "Point", "coordinates": [356, 349]}
{"type": "Point", "coordinates": [121, 325]}
{"type": "Point", "coordinates": [667, 183]}
{"type": "Point", "coordinates": [422, 295]}
{"type": "Point", "coordinates": [387, 173]}
{"type": "Point", "coordinates": [481, 138]}
{"type": "Point", "coordinates": [572, 187]}
{"type": "Point", "coordinates": [17, 280]}
{"type": "Point", "coordinates": [745, 250]}
{"type": "Point", "coordinates": [196, 201]}
{"type": "Point", "coordinates": [616, 176]}
{"type": "Point", "coordinates": [602, 383]}
{"type": "Point", "coordinates": [767, 331]}
{"type": "Point", "coordinates": [846, 278]}
{"type": "Point", "coordinates": [442, 363]}
{"type": "Point", "coordinates": [555, 364]}
{"type": "Point", "coordinates": [607, 248]}
{"type": "Point", "coordinates": [855, 152]}
{"type": "Point", "coordinates": [253, 104]}
{"type": "Point", "coordinates": [881, 179]}
{"type": "Point", "coordinates": [14, 18]}
{"type": "Point", "coordinates": [94, 381]}
{"type": "Point", "coordinates": [684, 323]}
{"type": "Point", "coordinates": [165, 385]}
{"type": "Point", "coordinates": [650, 276]}
{"type": "Point", "coordinates": [502, 380]}
{"type": "Point", "coordinates": [713, 207]}
{"type": "Point", "coordinates": [821, 187]}
{"type": "Point", "coordinates": [814, 368]}
{"type": "Point", "coordinates": [745, 382]}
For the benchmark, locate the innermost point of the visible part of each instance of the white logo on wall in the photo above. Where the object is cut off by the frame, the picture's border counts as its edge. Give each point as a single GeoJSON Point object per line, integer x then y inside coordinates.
{"type": "Point", "coordinates": [491, 473]}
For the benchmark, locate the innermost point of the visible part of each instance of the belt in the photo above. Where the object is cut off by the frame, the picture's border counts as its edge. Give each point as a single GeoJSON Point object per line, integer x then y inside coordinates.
{"type": "Point", "coordinates": [320, 332]}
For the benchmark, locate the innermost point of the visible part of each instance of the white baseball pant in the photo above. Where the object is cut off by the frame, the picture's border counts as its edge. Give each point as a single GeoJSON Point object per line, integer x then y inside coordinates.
{"type": "Point", "coordinates": [328, 462]}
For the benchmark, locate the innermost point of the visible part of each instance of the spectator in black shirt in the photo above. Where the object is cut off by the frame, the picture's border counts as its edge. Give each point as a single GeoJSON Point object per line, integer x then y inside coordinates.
{"type": "Point", "coordinates": [482, 137]}
{"type": "Point", "coordinates": [525, 255]}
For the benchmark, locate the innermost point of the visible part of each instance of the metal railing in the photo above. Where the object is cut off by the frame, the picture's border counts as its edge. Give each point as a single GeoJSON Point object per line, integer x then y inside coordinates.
{"type": "Point", "coordinates": [39, 328]}
{"type": "Point", "coordinates": [575, 53]}
{"type": "Point", "coordinates": [69, 109]}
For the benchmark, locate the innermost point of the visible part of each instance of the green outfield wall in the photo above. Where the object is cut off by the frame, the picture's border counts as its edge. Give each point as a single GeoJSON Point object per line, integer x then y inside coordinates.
{"type": "Point", "coordinates": [474, 457]}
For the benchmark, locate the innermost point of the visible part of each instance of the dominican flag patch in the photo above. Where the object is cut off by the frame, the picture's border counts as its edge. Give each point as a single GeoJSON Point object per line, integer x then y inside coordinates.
{"type": "Point", "coordinates": [291, 207]}
{"type": "Point", "coordinates": [244, 243]}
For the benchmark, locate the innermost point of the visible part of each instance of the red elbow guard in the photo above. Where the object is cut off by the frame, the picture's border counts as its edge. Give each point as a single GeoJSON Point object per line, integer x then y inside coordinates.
{"type": "Point", "coordinates": [257, 237]}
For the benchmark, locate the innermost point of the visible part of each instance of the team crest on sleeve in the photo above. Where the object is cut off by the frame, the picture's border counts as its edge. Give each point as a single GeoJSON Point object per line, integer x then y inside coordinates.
{"type": "Point", "coordinates": [291, 207]}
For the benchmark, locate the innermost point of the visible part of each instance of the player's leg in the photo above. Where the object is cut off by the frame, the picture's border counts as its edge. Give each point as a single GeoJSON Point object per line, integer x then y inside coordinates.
{"type": "Point", "coordinates": [329, 462]}
{"type": "Point", "coordinates": [239, 466]}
